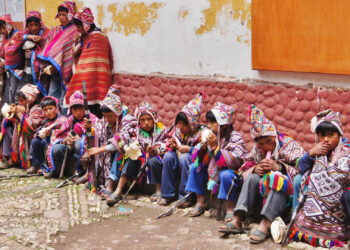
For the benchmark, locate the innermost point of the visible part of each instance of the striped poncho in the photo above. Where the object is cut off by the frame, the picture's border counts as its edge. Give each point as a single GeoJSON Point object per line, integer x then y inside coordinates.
{"type": "Point", "coordinates": [58, 51]}
{"type": "Point", "coordinates": [14, 55]}
{"type": "Point", "coordinates": [93, 64]}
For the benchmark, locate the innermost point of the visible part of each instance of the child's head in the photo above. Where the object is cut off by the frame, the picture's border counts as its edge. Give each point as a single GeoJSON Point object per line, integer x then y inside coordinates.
{"type": "Point", "coordinates": [34, 25]}
{"type": "Point", "coordinates": [78, 111]}
{"type": "Point", "coordinates": [146, 122]}
{"type": "Point", "coordinates": [76, 105]}
{"type": "Point", "coordinates": [109, 115]}
{"type": "Point", "coordinates": [6, 25]}
{"type": "Point", "coordinates": [266, 143]}
{"type": "Point", "coordinates": [49, 107]}
{"type": "Point", "coordinates": [182, 123]}
{"type": "Point", "coordinates": [211, 122]}
{"type": "Point", "coordinates": [22, 101]}
{"type": "Point", "coordinates": [329, 134]}
{"type": "Point", "coordinates": [62, 14]}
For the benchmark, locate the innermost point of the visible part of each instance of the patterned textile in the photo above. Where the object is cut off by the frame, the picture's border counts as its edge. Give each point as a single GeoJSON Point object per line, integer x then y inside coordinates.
{"type": "Point", "coordinates": [275, 181]}
{"type": "Point", "coordinates": [70, 6]}
{"type": "Point", "coordinates": [58, 51]}
{"type": "Point", "coordinates": [323, 216]}
{"type": "Point", "coordinates": [288, 151]}
{"type": "Point", "coordinates": [126, 131]}
{"type": "Point", "coordinates": [30, 92]}
{"type": "Point", "coordinates": [94, 66]}
{"type": "Point", "coordinates": [14, 55]}
{"type": "Point", "coordinates": [113, 102]}
{"type": "Point", "coordinates": [192, 111]}
{"type": "Point", "coordinates": [261, 126]}
{"type": "Point", "coordinates": [86, 17]}
{"type": "Point", "coordinates": [229, 154]}
{"type": "Point", "coordinates": [23, 133]}
{"type": "Point", "coordinates": [328, 116]}
{"type": "Point", "coordinates": [76, 99]}
{"type": "Point", "coordinates": [223, 113]}
{"type": "Point", "coordinates": [5, 41]}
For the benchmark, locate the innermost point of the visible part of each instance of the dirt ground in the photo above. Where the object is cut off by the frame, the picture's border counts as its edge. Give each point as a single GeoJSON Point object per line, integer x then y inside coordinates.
{"type": "Point", "coordinates": [140, 230]}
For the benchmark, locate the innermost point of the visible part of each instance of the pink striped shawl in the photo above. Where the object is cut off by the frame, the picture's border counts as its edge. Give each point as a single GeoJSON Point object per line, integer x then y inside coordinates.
{"type": "Point", "coordinates": [58, 51]}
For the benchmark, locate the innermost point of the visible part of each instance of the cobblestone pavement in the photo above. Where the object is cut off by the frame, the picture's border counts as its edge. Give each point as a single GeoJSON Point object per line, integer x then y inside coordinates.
{"type": "Point", "coordinates": [36, 215]}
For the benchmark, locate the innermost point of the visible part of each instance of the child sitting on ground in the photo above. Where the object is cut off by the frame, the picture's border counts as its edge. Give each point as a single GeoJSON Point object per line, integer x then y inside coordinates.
{"type": "Point", "coordinates": [217, 160]}
{"type": "Point", "coordinates": [53, 121]}
{"type": "Point", "coordinates": [326, 167]}
{"type": "Point", "coordinates": [65, 137]}
{"type": "Point", "coordinates": [271, 162]}
{"type": "Point", "coordinates": [185, 138]}
{"type": "Point", "coordinates": [29, 118]}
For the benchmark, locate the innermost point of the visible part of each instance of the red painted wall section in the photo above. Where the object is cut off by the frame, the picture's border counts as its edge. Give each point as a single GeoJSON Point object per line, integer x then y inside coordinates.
{"type": "Point", "coordinates": [289, 107]}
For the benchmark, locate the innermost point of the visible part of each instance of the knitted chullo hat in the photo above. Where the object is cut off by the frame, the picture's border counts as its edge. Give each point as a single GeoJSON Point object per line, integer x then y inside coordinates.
{"type": "Point", "coordinates": [261, 126]}
{"type": "Point", "coordinates": [223, 113]}
{"type": "Point", "coordinates": [70, 6]}
{"type": "Point", "coordinates": [192, 111]}
{"type": "Point", "coordinates": [86, 17]}
{"type": "Point", "coordinates": [327, 116]}
{"type": "Point", "coordinates": [146, 107]}
{"type": "Point", "coordinates": [113, 102]}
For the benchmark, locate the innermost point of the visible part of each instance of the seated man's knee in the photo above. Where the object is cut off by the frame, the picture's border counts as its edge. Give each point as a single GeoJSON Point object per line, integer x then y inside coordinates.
{"type": "Point", "coordinates": [297, 181]}
{"type": "Point", "coordinates": [226, 175]}
{"type": "Point", "coordinates": [153, 161]}
{"type": "Point", "coordinates": [168, 157]}
{"type": "Point", "coordinates": [253, 177]}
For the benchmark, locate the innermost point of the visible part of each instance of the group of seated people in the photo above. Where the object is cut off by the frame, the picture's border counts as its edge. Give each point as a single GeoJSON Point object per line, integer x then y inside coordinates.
{"type": "Point", "coordinates": [47, 123]}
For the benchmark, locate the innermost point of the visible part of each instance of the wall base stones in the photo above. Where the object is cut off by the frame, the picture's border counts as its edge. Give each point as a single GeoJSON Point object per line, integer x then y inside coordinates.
{"type": "Point", "coordinates": [289, 107]}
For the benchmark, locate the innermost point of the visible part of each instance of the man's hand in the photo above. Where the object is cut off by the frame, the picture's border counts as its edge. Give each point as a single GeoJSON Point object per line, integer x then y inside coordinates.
{"type": "Point", "coordinates": [184, 149]}
{"type": "Point", "coordinates": [269, 165]}
{"type": "Point", "coordinates": [212, 141]}
{"type": "Point", "coordinates": [151, 150]}
{"type": "Point", "coordinates": [70, 139]}
{"type": "Point", "coordinates": [77, 38]}
{"type": "Point", "coordinates": [27, 53]}
{"type": "Point", "coordinates": [318, 150]}
{"type": "Point", "coordinates": [86, 123]}
{"type": "Point", "coordinates": [34, 38]}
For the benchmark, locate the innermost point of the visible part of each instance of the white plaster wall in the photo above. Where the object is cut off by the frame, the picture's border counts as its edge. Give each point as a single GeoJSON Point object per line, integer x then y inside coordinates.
{"type": "Point", "coordinates": [171, 47]}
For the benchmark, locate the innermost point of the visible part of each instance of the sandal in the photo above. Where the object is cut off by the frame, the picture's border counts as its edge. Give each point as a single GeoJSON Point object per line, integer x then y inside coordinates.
{"type": "Point", "coordinates": [105, 194]}
{"type": "Point", "coordinates": [155, 197]}
{"type": "Point", "coordinates": [185, 204]}
{"type": "Point", "coordinates": [165, 201]}
{"type": "Point", "coordinates": [113, 199]}
{"type": "Point", "coordinates": [262, 237]}
{"type": "Point", "coordinates": [228, 217]}
{"type": "Point", "coordinates": [230, 228]}
{"type": "Point", "coordinates": [197, 211]}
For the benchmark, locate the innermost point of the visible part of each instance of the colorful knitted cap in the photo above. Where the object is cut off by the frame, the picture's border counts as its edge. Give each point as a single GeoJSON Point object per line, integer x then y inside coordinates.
{"type": "Point", "coordinates": [76, 99]}
{"type": "Point", "coordinates": [9, 23]}
{"type": "Point", "coordinates": [146, 107]}
{"type": "Point", "coordinates": [86, 17]}
{"type": "Point", "coordinates": [223, 113]}
{"type": "Point", "coordinates": [261, 126]}
{"type": "Point", "coordinates": [327, 116]}
{"type": "Point", "coordinates": [30, 92]}
{"type": "Point", "coordinates": [113, 102]}
{"type": "Point", "coordinates": [192, 111]}
{"type": "Point", "coordinates": [70, 6]}
{"type": "Point", "coordinates": [36, 14]}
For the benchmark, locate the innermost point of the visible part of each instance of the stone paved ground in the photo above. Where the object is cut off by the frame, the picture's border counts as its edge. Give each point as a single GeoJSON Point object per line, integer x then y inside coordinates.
{"type": "Point", "coordinates": [36, 215]}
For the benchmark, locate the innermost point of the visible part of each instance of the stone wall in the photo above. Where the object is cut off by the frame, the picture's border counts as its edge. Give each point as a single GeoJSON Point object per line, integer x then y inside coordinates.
{"type": "Point", "coordinates": [289, 107]}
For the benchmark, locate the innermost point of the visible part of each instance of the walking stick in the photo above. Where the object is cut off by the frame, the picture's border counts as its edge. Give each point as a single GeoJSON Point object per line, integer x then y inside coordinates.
{"type": "Point", "coordinates": [66, 155]}
{"type": "Point", "coordinates": [171, 210]}
{"type": "Point", "coordinates": [66, 181]}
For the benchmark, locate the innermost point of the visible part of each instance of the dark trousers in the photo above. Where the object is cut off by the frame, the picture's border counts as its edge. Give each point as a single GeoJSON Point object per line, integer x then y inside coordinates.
{"type": "Point", "coordinates": [38, 147]}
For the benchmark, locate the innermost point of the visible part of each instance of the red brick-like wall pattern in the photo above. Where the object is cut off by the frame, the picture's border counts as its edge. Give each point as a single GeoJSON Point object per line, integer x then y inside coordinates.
{"type": "Point", "coordinates": [289, 107]}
